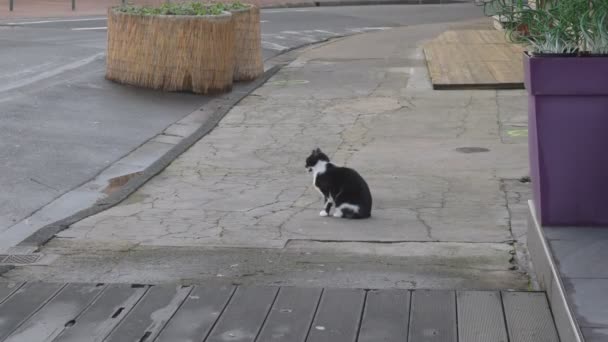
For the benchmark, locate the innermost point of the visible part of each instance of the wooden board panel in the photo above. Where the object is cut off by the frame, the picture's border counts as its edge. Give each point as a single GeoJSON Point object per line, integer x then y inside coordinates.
{"type": "Point", "coordinates": [474, 59]}
{"type": "Point", "coordinates": [24, 303]}
{"type": "Point", "coordinates": [528, 317]}
{"type": "Point", "coordinates": [480, 316]}
{"type": "Point", "coordinates": [51, 319]}
{"type": "Point", "coordinates": [197, 315]}
{"type": "Point", "coordinates": [98, 320]}
{"type": "Point", "coordinates": [291, 315]}
{"type": "Point", "coordinates": [433, 316]}
{"type": "Point", "coordinates": [151, 314]}
{"type": "Point", "coordinates": [386, 316]}
{"type": "Point", "coordinates": [244, 315]}
{"type": "Point", "coordinates": [338, 316]}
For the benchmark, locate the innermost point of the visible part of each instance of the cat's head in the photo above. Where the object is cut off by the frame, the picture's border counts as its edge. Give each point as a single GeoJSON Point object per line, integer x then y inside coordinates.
{"type": "Point", "coordinates": [316, 156]}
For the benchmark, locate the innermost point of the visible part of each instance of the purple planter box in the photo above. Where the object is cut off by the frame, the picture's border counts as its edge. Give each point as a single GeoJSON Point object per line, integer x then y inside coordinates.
{"type": "Point", "coordinates": [568, 138]}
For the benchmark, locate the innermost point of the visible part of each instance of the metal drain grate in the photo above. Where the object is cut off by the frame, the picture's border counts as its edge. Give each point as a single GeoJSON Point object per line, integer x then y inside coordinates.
{"type": "Point", "coordinates": [20, 259]}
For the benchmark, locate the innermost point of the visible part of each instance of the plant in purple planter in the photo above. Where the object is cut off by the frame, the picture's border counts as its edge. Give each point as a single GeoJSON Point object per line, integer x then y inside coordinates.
{"type": "Point", "coordinates": [566, 76]}
{"type": "Point", "coordinates": [594, 28]}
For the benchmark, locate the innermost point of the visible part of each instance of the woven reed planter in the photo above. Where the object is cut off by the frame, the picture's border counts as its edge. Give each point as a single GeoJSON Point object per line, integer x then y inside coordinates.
{"type": "Point", "coordinates": [172, 53]}
{"type": "Point", "coordinates": [248, 63]}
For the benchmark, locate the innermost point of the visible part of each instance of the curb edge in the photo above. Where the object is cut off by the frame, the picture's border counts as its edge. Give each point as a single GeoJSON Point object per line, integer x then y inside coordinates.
{"type": "Point", "coordinates": [47, 232]}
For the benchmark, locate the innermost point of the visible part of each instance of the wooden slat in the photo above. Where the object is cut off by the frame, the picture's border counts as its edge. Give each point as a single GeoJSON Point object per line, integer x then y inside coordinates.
{"type": "Point", "coordinates": [50, 320]}
{"type": "Point", "coordinates": [480, 317]}
{"type": "Point", "coordinates": [98, 320]}
{"type": "Point", "coordinates": [386, 316]}
{"type": "Point", "coordinates": [528, 317]}
{"type": "Point", "coordinates": [338, 316]}
{"type": "Point", "coordinates": [23, 303]}
{"type": "Point", "coordinates": [291, 315]}
{"type": "Point", "coordinates": [197, 315]}
{"type": "Point", "coordinates": [433, 316]}
{"type": "Point", "coordinates": [7, 289]}
{"type": "Point", "coordinates": [151, 314]}
{"type": "Point", "coordinates": [244, 315]}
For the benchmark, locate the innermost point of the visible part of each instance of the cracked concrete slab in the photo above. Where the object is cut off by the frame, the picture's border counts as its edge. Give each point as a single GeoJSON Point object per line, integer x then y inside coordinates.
{"type": "Point", "coordinates": [241, 196]}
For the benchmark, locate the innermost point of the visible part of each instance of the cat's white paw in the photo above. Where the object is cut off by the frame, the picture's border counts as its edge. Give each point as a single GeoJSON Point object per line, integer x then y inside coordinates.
{"type": "Point", "coordinates": [338, 214]}
{"type": "Point", "coordinates": [323, 213]}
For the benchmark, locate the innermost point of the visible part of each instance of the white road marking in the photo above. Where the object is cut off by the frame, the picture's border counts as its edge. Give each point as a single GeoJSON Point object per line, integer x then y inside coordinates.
{"type": "Point", "coordinates": [50, 73]}
{"type": "Point", "coordinates": [34, 69]}
{"type": "Point", "coordinates": [307, 39]}
{"type": "Point", "coordinates": [381, 28]}
{"type": "Point", "coordinates": [54, 21]}
{"type": "Point", "coordinates": [89, 28]}
{"type": "Point", "coordinates": [367, 29]}
{"type": "Point", "coordinates": [308, 36]}
{"type": "Point", "coordinates": [273, 36]}
{"type": "Point", "coordinates": [273, 46]}
{"type": "Point", "coordinates": [301, 35]}
{"type": "Point", "coordinates": [327, 32]}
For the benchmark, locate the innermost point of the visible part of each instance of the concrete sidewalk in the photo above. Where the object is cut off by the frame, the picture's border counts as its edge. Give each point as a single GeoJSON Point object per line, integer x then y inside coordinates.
{"type": "Point", "coordinates": [63, 8]}
{"type": "Point", "coordinates": [443, 167]}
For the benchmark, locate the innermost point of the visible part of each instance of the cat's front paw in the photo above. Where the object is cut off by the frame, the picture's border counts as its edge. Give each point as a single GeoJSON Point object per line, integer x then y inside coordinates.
{"type": "Point", "coordinates": [338, 214]}
{"type": "Point", "coordinates": [323, 213]}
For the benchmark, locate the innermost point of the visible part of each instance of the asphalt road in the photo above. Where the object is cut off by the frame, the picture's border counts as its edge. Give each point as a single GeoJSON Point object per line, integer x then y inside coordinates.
{"type": "Point", "coordinates": [61, 122]}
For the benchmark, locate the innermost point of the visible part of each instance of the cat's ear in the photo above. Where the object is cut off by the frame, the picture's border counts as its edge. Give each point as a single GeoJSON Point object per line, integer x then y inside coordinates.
{"type": "Point", "coordinates": [317, 151]}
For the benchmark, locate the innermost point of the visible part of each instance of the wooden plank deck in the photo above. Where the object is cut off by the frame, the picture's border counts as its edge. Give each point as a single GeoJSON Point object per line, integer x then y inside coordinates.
{"type": "Point", "coordinates": [97, 312]}
{"type": "Point", "coordinates": [481, 317]}
{"type": "Point", "coordinates": [474, 59]}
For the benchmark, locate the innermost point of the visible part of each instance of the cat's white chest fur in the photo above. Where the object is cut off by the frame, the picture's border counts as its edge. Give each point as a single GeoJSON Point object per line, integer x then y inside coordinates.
{"type": "Point", "coordinates": [319, 169]}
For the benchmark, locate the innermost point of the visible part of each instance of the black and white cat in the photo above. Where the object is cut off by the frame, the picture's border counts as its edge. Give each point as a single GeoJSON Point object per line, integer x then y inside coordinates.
{"type": "Point", "coordinates": [340, 186]}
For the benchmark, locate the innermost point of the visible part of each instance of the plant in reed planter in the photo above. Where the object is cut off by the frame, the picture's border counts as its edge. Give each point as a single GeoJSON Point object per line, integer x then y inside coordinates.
{"type": "Point", "coordinates": [186, 46]}
{"type": "Point", "coordinates": [566, 77]}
